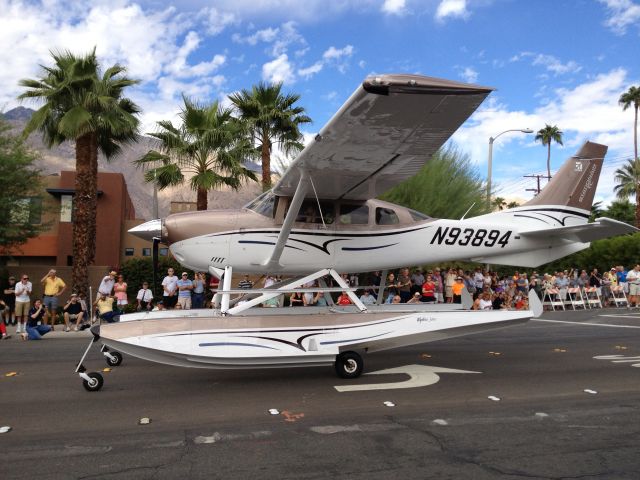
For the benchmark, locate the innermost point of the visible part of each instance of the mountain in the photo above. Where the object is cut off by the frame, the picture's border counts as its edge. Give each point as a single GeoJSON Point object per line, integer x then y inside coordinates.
{"type": "Point", "coordinates": [62, 157]}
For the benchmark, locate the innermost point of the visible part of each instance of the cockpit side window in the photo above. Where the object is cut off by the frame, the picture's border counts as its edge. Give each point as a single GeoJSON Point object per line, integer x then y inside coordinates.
{"type": "Point", "coordinates": [386, 216]}
{"type": "Point", "coordinates": [417, 216]}
{"type": "Point", "coordinates": [263, 204]}
{"type": "Point", "coordinates": [354, 214]}
{"type": "Point", "coordinates": [309, 213]}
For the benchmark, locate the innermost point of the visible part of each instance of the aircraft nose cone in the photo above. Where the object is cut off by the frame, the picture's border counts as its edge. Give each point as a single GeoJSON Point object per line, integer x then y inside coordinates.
{"type": "Point", "coordinates": [148, 230]}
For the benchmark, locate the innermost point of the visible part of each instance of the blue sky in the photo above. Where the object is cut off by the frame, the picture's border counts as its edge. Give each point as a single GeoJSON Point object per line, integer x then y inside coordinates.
{"type": "Point", "coordinates": [562, 63]}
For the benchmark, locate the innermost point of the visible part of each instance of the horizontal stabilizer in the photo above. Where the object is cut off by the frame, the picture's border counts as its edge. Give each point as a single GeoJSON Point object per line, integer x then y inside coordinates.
{"type": "Point", "coordinates": [588, 232]}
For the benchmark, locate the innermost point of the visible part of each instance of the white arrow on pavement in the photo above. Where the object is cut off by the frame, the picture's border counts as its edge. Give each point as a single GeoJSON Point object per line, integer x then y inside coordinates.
{"type": "Point", "coordinates": [419, 376]}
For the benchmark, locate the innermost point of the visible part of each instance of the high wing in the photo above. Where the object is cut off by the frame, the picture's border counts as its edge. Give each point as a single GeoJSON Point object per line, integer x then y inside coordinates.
{"type": "Point", "coordinates": [588, 232]}
{"type": "Point", "coordinates": [382, 135]}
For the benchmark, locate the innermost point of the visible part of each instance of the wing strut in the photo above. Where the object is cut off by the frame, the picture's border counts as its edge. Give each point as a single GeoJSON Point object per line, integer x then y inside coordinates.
{"type": "Point", "coordinates": [292, 213]}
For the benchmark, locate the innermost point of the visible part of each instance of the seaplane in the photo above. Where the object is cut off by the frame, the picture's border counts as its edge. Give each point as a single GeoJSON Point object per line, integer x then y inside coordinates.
{"type": "Point", "coordinates": [322, 217]}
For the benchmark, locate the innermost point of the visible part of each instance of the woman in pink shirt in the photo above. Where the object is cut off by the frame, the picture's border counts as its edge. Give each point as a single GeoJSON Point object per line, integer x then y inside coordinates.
{"type": "Point", "coordinates": [120, 292]}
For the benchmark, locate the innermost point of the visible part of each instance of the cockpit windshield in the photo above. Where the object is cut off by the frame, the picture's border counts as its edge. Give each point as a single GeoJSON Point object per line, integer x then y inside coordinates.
{"type": "Point", "coordinates": [263, 204]}
{"type": "Point", "coordinates": [418, 216]}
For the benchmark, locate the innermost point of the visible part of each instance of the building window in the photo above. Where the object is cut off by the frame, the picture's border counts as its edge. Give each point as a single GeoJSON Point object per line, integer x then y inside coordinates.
{"type": "Point", "coordinates": [128, 252]}
{"type": "Point", "coordinates": [163, 252]}
{"type": "Point", "coordinates": [66, 206]}
{"type": "Point", "coordinates": [146, 252]}
{"type": "Point", "coordinates": [28, 210]}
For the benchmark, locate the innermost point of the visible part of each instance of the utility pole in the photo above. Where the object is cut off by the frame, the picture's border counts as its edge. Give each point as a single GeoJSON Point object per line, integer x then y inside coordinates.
{"type": "Point", "coordinates": [537, 177]}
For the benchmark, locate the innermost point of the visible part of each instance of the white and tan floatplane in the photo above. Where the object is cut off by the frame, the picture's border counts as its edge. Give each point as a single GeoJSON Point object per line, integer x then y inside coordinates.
{"type": "Point", "coordinates": [323, 216]}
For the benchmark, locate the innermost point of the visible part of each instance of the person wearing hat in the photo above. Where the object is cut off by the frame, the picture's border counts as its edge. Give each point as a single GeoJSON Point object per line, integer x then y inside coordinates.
{"type": "Point", "coordinates": [457, 290]}
{"type": "Point", "coordinates": [72, 311]}
{"type": "Point", "coordinates": [9, 297]}
{"type": "Point", "coordinates": [106, 285]}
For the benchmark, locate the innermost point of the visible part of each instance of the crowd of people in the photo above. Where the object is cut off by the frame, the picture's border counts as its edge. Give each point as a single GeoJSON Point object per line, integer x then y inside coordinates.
{"type": "Point", "coordinates": [34, 318]}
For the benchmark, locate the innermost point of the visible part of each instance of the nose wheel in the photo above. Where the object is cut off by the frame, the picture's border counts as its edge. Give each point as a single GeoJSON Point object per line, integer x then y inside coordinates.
{"type": "Point", "coordinates": [93, 381]}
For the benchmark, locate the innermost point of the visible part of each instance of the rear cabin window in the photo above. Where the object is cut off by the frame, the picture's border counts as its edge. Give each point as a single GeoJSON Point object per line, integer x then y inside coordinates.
{"type": "Point", "coordinates": [386, 216]}
{"type": "Point", "coordinates": [309, 212]}
{"type": "Point", "coordinates": [354, 214]}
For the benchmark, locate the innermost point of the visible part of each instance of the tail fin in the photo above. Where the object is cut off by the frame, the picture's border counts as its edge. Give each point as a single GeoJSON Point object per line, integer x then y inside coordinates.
{"type": "Point", "coordinates": [574, 185]}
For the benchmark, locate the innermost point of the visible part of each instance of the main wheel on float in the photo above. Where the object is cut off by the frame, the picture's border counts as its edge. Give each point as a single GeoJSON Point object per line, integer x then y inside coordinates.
{"type": "Point", "coordinates": [349, 365]}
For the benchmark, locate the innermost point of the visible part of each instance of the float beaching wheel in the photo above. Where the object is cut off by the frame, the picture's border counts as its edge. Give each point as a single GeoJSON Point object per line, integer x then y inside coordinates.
{"type": "Point", "coordinates": [349, 365]}
{"type": "Point", "coordinates": [94, 383]}
{"type": "Point", "coordinates": [114, 359]}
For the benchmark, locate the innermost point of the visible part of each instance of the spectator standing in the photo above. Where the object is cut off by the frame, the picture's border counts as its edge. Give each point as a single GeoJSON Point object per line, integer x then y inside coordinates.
{"type": "Point", "coordinates": [170, 289]}
{"type": "Point", "coordinates": [36, 316]}
{"type": "Point", "coordinates": [437, 279]}
{"type": "Point", "coordinates": [457, 290]}
{"type": "Point", "coordinates": [106, 284]}
{"type": "Point", "coordinates": [392, 287]}
{"type": "Point", "coordinates": [417, 279]}
{"type": "Point", "coordinates": [184, 291]}
{"type": "Point", "coordinates": [120, 293]}
{"type": "Point", "coordinates": [404, 285]}
{"type": "Point", "coordinates": [522, 284]}
{"type": "Point", "coordinates": [197, 297]}
{"type": "Point", "coordinates": [54, 286]}
{"type": "Point", "coordinates": [449, 280]}
{"type": "Point", "coordinates": [3, 327]}
{"type": "Point", "coordinates": [320, 301]}
{"type": "Point", "coordinates": [633, 279]}
{"type": "Point", "coordinates": [478, 280]}
{"type": "Point", "coordinates": [621, 273]}
{"type": "Point", "coordinates": [23, 291]}
{"type": "Point", "coordinates": [428, 290]}
{"type": "Point", "coordinates": [245, 283]}
{"type": "Point", "coordinates": [72, 311]}
{"type": "Point", "coordinates": [9, 297]}
{"type": "Point", "coordinates": [144, 298]}
{"type": "Point", "coordinates": [295, 300]}
{"type": "Point", "coordinates": [562, 283]}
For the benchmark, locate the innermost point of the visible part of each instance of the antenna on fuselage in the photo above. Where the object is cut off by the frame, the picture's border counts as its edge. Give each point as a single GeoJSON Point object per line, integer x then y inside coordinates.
{"type": "Point", "coordinates": [465, 213]}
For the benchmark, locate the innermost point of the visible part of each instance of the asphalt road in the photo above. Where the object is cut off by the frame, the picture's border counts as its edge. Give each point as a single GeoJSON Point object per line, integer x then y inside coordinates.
{"type": "Point", "coordinates": [216, 424]}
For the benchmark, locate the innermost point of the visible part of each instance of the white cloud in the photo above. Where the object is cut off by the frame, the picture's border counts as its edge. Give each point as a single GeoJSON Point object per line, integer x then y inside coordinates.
{"type": "Point", "coordinates": [621, 14]}
{"type": "Point", "coordinates": [281, 37]}
{"type": "Point", "coordinates": [310, 71]}
{"type": "Point", "coordinates": [394, 7]}
{"type": "Point", "coordinates": [589, 111]}
{"type": "Point", "coordinates": [468, 74]}
{"type": "Point", "coordinates": [549, 62]}
{"type": "Point", "coordinates": [453, 9]}
{"type": "Point", "coordinates": [279, 70]}
{"type": "Point", "coordinates": [333, 53]}
{"type": "Point", "coordinates": [216, 21]}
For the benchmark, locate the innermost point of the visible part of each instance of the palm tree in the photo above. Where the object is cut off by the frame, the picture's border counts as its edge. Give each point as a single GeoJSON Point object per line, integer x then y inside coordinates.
{"type": "Point", "coordinates": [272, 118]}
{"type": "Point", "coordinates": [596, 211]}
{"type": "Point", "coordinates": [628, 184]}
{"type": "Point", "coordinates": [499, 203]}
{"type": "Point", "coordinates": [545, 136]}
{"type": "Point", "coordinates": [632, 97]}
{"type": "Point", "coordinates": [513, 204]}
{"type": "Point", "coordinates": [85, 106]}
{"type": "Point", "coordinates": [208, 148]}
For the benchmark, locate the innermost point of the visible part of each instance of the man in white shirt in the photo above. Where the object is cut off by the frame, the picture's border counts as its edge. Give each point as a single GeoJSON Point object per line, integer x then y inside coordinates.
{"type": "Point", "coordinates": [144, 298]}
{"type": "Point", "coordinates": [633, 280]}
{"type": "Point", "coordinates": [23, 302]}
{"type": "Point", "coordinates": [170, 289]}
{"type": "Point", "coordinates": [106, 285]}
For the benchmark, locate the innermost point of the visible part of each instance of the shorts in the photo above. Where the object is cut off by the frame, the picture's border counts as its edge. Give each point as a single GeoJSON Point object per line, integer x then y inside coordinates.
{"type": "Point", "coordinates": [22, 308]}
{"type": "Point", "coordinates": [634, 289]}
{"type": "Point", "coordinates": [123, 302]}
{"type": "Point", "coordinates": [185, 302]}
{"type": "Point", "coordinates": [50, 302]}
{"type": "Point", "coordinates": [74, 316]}
{"type": "Point", "coordinates": [170, 301]}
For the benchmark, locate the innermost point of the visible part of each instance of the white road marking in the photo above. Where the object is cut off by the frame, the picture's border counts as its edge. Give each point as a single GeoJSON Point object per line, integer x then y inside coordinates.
{"type": "Point", "coordinates": [419, 376]}
{"type": "Point", "coordinates": [585, 323]}
{"type": "Point", "coordinates": [440, 421]}
{"type": "Point", "coordinates": [220, 437]}
{"type": "Point", "coordinates": [588, 390]}
{"type": "Point", "coordinates": [620, 359]}
{"type": "Point", "coordinates": [494, 398]}
{"type": "Point", "coordinates": [541, 415]}
{"type": "Point", "coordinates": [630, 315]}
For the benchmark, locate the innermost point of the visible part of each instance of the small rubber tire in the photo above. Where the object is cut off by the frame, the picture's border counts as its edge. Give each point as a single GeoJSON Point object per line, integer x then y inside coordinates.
{"type": "Point", "coordinates": [117, 359]}
{"type": "Point", "coordinates": [96, 382]}
{"type": "Point", "coordinates": [349, 365]}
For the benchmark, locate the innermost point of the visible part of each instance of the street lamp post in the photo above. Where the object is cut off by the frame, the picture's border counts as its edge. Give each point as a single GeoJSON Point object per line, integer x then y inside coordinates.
{"type": "Point", "coordinates": [491, 140]}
